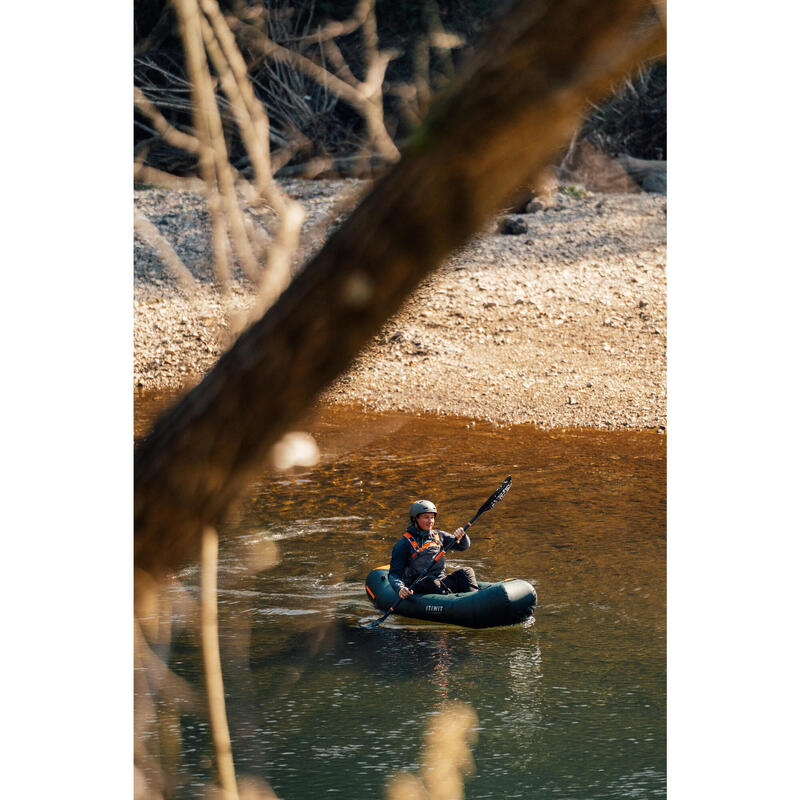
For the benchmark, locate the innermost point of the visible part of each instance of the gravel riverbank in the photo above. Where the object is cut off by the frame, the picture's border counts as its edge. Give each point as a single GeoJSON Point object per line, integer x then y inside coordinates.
{"type": "Point", "coordinates": [561, 324]}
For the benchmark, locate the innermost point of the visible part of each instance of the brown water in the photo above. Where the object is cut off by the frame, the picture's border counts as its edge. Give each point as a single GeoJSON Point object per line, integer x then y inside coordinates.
{"type": "Point", "coordinates": [570, 705]}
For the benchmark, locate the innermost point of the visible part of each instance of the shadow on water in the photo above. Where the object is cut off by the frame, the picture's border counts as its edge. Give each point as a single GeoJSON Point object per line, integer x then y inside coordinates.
{"type": "Point", "coordinates": [571, 704]}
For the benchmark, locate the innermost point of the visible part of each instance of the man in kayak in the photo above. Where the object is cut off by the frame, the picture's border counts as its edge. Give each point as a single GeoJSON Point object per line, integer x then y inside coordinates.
{"type": "Point", "coordinates": [417, 550]}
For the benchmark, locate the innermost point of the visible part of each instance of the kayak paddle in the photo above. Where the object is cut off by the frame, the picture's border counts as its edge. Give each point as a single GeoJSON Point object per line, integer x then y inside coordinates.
{"type": "Point", "coordinates": [496, 497]}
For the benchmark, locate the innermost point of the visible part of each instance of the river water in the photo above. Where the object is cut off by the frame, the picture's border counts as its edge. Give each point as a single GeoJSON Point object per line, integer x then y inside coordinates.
{"type": "Point", "coordinates": [570, 704]}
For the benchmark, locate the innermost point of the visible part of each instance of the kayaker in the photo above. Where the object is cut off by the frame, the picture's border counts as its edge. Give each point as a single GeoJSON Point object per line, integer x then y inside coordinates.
{"type": "Point", "coordinates": [418, 548]}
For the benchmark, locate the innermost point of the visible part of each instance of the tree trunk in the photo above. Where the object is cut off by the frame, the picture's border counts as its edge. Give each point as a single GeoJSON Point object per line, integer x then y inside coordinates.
{"type": "Point", "coordinates": [493, 130]}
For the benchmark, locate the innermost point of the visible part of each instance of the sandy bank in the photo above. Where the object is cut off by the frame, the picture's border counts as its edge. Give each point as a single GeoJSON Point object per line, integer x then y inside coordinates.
{"type": "Point", "coordinates": [562, 325]}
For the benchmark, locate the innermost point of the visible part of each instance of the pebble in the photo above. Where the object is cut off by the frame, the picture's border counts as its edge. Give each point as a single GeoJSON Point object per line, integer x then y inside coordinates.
{"type": "Point", "coordinates": [513, 226]}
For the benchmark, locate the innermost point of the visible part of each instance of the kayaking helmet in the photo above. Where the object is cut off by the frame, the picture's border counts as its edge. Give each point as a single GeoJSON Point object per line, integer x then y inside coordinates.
{"type": "Point", "coordinates": [422, 507]}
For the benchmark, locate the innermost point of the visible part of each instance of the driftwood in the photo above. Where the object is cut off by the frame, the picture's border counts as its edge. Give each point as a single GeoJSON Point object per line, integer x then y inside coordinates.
{"type": "Point", "coordinates": [495, 128]}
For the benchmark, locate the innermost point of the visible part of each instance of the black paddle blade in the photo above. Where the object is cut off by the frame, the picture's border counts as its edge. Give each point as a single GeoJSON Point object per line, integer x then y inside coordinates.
{"type": "Point", "coordinates": [498, 495]}
{"type": "Point", "coordinates": [376, 622]}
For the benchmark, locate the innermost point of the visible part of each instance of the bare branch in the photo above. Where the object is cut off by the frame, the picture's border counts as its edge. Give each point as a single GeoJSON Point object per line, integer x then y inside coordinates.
{"type": "Point", "coordinates": [344, 90]}
{"type": "Point", "coordinates": [355, 96]}
{"type": "Point", "coordinates": [334, 29]}
{"type": "Point", "coordinates": [250, 114]}
{"type": "Point", "coordinates": [440, 40]}
{"type": "Point", "coordinates": [208, 127]}
{"type": "Point", "coordinates": [157, 34]}
{"type": "Point", "coordinates": [334, 54]}
{"type": "Point", "coordinates": [164, 249]}
{"type": "Point", "coordinates": [212, 664]}
{"type": "Point", "coordinates": [145, 174]}
{"type": "Point", "coordinates": [222, 167]}
{"type": "Point", "coordinates": [254, 125]}
{"type": "Point", "coordinates": [443, 40]}
{"type": "Point", "coordinates": [369, 33]}
{"type": "Point", "coordinates": [160, 675]}
{"type": "Point", "coordinates": [297, 144]}
{"type": "Point", "coordinates": [169, 133]}
{"type": "Point", "coordinates": [373, 81]}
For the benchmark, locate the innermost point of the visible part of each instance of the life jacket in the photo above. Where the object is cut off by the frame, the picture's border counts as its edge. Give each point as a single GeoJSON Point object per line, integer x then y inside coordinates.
{"type": "Point", "coordinates": [423, 556]}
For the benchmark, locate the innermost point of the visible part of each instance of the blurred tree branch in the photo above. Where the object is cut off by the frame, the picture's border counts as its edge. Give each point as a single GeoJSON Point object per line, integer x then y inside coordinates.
{"type": "Point", "coordinates": [493, 130]}
{"type": "Point", "coordinates": [206, 34]}
{"type": "Point", "coordinates": [212, 664]}
{"type": "Point", "coordinates": [165, 251]}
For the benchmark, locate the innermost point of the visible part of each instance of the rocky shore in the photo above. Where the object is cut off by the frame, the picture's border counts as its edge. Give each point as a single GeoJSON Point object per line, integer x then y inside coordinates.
{"type": "Point", "coordinates": [559, 321]}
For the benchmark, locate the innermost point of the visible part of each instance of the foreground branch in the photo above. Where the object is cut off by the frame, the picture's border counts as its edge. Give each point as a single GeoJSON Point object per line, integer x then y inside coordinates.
{"type": "Point", "coordinates": [497, 127]}
{"type": "Point", "coordinates": [212, 664]}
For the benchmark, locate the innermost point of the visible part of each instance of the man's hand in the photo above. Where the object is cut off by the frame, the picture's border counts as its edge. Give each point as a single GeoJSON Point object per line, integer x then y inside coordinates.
{"type": "Point", "coordinates": [404, 592]}
{"type": "Point", "coordinates": [458, 533]}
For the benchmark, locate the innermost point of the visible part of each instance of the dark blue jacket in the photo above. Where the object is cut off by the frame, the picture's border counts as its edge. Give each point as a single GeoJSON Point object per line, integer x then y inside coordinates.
{"type": "Point", "coordinates": [405, 567]}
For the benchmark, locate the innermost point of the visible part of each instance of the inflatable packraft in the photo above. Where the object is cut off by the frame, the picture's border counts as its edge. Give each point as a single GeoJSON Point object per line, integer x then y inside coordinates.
{"type": "Point", "coordinates": [503, 603]}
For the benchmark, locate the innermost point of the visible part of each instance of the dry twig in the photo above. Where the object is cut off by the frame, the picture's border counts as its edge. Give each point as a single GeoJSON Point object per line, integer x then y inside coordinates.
{"type": "Point", "coordinates": [254, 125]}
{"type": "Point", "coordinates": [208, 32]}
{"type": "Point", "coordinates": [164, 249]}
{"type": "Point", "coordinates": [169, 133]}
{"type": "Point", "coordinates": [207, 125]}
{"type": "Point", "coordinates": [364, 96]}
{"type": "Point", "coordinates": [215, 689]}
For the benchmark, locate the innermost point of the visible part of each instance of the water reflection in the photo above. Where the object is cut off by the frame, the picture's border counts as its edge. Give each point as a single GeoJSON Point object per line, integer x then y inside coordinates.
{"type": "Point", "coordinates": [571, 705]}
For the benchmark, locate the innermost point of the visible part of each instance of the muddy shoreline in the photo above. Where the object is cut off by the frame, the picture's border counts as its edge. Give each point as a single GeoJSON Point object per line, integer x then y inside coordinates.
{"type": "Point", "coordinates": [561, 324]}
